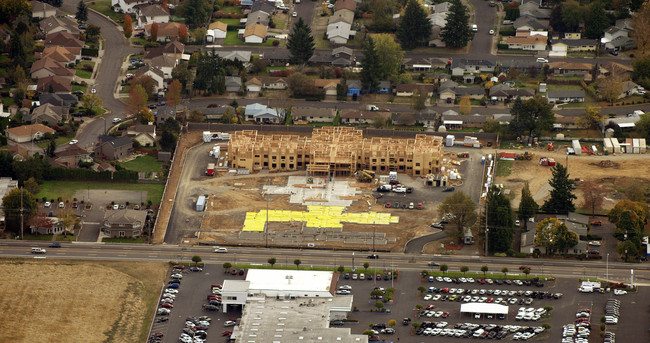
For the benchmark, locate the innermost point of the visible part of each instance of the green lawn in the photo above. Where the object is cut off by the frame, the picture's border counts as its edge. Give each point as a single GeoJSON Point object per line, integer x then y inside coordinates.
{"type": "Point", "coordinates": [231, 9]}
{"type": "Point", "coordinates": [104, 7]}
{"type": "Point", "coordinates": [504, 168]}
{"type": "Point", "coordinates": [232, 38]}
{"type": "Point", "coordinates": [67, 189]}
{"type": "Point", "coordinates": [138, 41]}
{"type": "Point", "coordinates": [83, 74]}
{"type": "Point", "coordinates": [66, 238]}
{"type": "Point", "coordinates": [82, 88]}
{"type": "Point", "coordinates": [552, 87]}
{"type": "Point", "coordinates": [229, 21]}
{"type": "Point", "coordinates": [58, 141]}
{"type": "Point", "coordinates": [7, 101]}
{"type": "Point", "coordinates": [37, 237]}
{"type": "Point", "coordinates": [145, 163]}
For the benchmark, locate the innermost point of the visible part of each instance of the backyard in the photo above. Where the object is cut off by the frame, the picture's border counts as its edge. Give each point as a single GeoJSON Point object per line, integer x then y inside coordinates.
{"type": "Point", "coordinates": [67, 189]}
{"type": "Point", "coordinates": [145, 164]}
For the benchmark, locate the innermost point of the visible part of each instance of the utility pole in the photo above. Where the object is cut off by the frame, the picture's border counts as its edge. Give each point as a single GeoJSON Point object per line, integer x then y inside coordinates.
{"type": "Point", "coordinates": [486, 226]}
{"type": "Point", "coordinates": [21, 214]}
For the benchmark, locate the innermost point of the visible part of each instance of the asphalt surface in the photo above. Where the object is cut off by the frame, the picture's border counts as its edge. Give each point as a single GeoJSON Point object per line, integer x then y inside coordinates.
{"type": "Point", "coordinates": [484, 16]}
{"type": "Point", "coordinates": [416, 245]}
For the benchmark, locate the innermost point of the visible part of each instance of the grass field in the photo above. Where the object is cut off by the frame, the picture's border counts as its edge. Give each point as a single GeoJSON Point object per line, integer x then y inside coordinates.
{"type": "Point", "coordinates": [143, 164]}
{"type": "Point", "coordinates": [58, 141]}
{"type": "Point", "coordinates": [231, 9]}
{"type": "Point", "coordinates": [83, 74]}
{"type": "Point", "coordinates": [232, 38]}
{"type": "Point", "coordinates": [229, 21]}
{"type": "Point", "coordinates": [67, 189]}
{"type": "Point", "coordinates": [78, 301]}
{"type": "Point", "coordinates": [104, 7]}
{"type": "Point", "coordinates": [83, 88]}
{"type": "Point", "coordinates": [504, 168]}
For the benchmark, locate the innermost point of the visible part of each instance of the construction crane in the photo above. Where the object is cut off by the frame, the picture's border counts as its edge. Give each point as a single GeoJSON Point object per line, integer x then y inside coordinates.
{"type": "Point", "coordinates": [364, 175]}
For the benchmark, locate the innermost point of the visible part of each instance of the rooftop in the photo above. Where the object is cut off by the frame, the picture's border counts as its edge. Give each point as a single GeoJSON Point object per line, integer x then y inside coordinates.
{"type": "Point", "coordinates": [289, 280]}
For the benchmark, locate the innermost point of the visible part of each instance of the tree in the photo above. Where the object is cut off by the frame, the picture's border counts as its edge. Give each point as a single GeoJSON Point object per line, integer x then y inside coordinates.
{"type": "Point", "coordinates": [554, 235]}
{"type": "Point", "coordinates": [526, 271]}
{"type": "Point", "coordinates": [51, 148]}
{"type": "Point", "coordinates": [12, 9]}
{"type": "Point", "coordinates": [562, 196]}
{"type": "Point", "coordinates": [627, 248]}
{"type": "Point", "coordinates": [93, 32]}
{"type": "Point", "coordinates": [32, 186]}
{"type": "Point", "coordinates": [527, 205]}
{"type": "Point", "coordinates": [153, 35]}
{"type": "Point", "coordinates": [340, 269]}
{"type": "Point", "coordinates": [29, 167]}
{"type": "Point", "coordinates": [127, 27]}
{"type": "Point", "coordinates": [444, 268]}
{"type": "Point", "coordinates": [379, 305]}
{"type": "Point", "coordinates": [167, 141]}
{"type": "Point", "coordinates": [641, 24]}
{"type": "Point", "coordinates": [504, 270]}
{"type": "Point", "coordinates": [380, 122]}
{"type": "Point", "coordinates": [512, 11]}
{"type": "Point", "coordinates": [376, 294]}
{"type": "Point", "coordinates": [297, 262]}
{"type": "Point", "coordinates": [457, 33]}
{"type": "Point", "coordinates": [499, 220]}
{"type": "Point", "coordinates": [643, 126]}
{"type": "Point", "coordinates": [366, 265]}
{"type": "Point", "coordinates": [171, 125]}
{"type": "Point", "coordinates": [228, 117]}
{"type": "Point", "coordinates": [572, 15]}
{"type": "Point", "coordinates": [145, 116]}
{"type": "Point", "coordinates": [227, 266]}
{"type": "Point", "coordinates": [195, 116]}
{"type": "Point", "coordinates": [597, 21]}
{"type": "Point", "coordinates": [196, 12]}
{"type": "Point", "coordinates": [392, 323]}
{"type": "Point", "coordinates": [301, 43]}
{"type": "Point", "coordinates": [82, 11]}
{"type": "Point", "coordinates": [196, 259]}
{"type": "Point", "coordinates": [17, 50]}
{"type": "Point", "coordinates": [419, 100]}
{"type": "Point", "coordinates": [272, 261]}
{"type": "Point", "coordinates": [484, 269]}
{"type": "Point", "coordinates": [370, 66]}
{"type": "Point", "coordinates": [464, 106]}
{"type": "Point", "coordinates": [414, 27]}
{"type": "Point", "coordinates": [147, 83]}
{"type": "Point", "coordinates": [591, 118]}
{"type": "Point", "coordinates": [464, 269]}
{"type": "Point", "coordinates": [137, 99]}
{"type": "Point", "coordinates": [183, 34]}
{"type": "Point", "coordinates": [389, 55]}
{"type": "Point", "coordinates": [531, 117]}
{"type": "Point", "coordinates": [299, 84]}
{"type": "Point", "coordinates": [629, 217]}
{"type": "Point", "coordinates": [90, 102]}
{"type": "Point", "coordinates": [462, 210]}
{"type": "Point", "coordinates": [210, 73]}
{"type": "Point", "coordinates": [593, 196]}
{"type": "Point", "coordinates": [182, 73]}
{"type": "Point", "coordinates": [41, 221]}
{"type": "Point", "coordinates": [174, 93]}
{"type": "Point", "coordinates": [610, 89]}
{"type": "Point", "coordinates": [11, 203]}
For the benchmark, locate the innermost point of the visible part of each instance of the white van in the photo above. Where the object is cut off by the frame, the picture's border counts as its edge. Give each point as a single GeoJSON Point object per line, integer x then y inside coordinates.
{"type": "Point", "coordinates": [38, 251]}
{"type": "Point", "coordinates": [474, 28]}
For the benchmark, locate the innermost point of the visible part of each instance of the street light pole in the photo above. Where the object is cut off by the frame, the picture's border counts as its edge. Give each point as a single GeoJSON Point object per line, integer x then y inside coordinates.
{"type": "Point", "coordinates": [607, 269]}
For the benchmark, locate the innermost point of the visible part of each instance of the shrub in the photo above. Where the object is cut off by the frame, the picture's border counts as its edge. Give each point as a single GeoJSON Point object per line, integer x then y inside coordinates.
{"type": "Point", "coordinates": [276, 42]}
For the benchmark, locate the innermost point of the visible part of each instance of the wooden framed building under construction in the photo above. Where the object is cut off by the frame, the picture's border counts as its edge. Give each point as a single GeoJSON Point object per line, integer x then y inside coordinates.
{"type": "Point", "coordinates": [337, 151]}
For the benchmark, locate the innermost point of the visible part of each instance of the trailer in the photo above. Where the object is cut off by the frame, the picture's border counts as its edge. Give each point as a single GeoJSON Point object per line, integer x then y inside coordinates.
{"type": "Point", "coordinates": [616, 145]}
{"type": "Point", "coordinates": [210, 170]}
{"type": "Point", "coordinates": [642, 146]}
{"type": "Point", "coordinates": [200, 204]}
{"type": "Point", "coordinates": [207, 136]}
{"type": "Point", "coordinates": [607, 145]}
{"type": "Point", "coordinates": [576, 146]}
{"type": "Point", "coordinates": [510, 156]}
{"type": "Point", "coordinates": [635, 146]}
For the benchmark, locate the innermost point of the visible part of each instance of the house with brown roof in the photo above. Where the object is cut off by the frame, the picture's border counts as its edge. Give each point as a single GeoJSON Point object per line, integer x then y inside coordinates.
{"type": "Point", "coordinates": [71, 155]}
{"type": "Point", "coordinates": [254, 34]}
{"type": "Point", "coordinates": [571, 68]}
{"type": "Point", "coordinates": [174, 49]}
{"type": "Point", "coordinates": [64, 39]}
{"type": "Point", "coordinates": [141, 128]}
{"type": "Point", "coordinates": [165, 63]}
{"type": "Point", "coordinates": [313, 114]}
{"type": "Point", "coordinates": [266, 82]}
{"type": "Point", "coordinates": [42, 10]}
{"type": "Point", "coordinates": [216, 30]}
{"type": "Point", "coordinates": [409, 89]}
{"type": "Point", "coordinates": [26, 133]}
{"type": "Point", "coordinates": [114, 148]}
{"type": "Point", "coordinates": [48, 67]}
{"type": "Point", "coordinates": [60, 54]}
{"type": "Point", "coordinates": [54, 84]}
{"type": "Point", "coordinates": [166, 31]}
{"type": "Point", "coordinates": [352, 116]}
{"type": "Point", "coordinates": [125, 223]}
{"type": "Point", "coordinates": [151, 14]}
{"type": "Point", "coordinates": [348, 5]}
{"type": "Point", "coordinates": [48, 114]}
{"type": "Point", "coordinates": [55, 24]}
{"type": "Point", "coordinates": [534, 42]}
{"type": "Point", "coordinates": [327, 86]}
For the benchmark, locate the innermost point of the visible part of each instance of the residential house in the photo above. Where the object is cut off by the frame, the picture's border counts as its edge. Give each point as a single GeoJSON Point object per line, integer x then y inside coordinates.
{"type": "Point", "coordinates": [327, 86]}
{"type": "Point", "coordinates": [424, 64]}
{"type": "Point", "coordinates": [259, 18]}
{"type": "Point", "coordinates": [5, 35]}
{"type": "Point", "coordinates": [61, 99]}
{"type": "Point", "coordinates": [313, 114]}
{"type": "Point", "coordinates": [71, 155]}
{"type": "Point", "coordinates": [572, 35]}
{"type": "Point", "coordinates": [150, 14]}
{"type": "Point", "coordinates": [166, 31]}
{"type": "Point", "coordinates": [277, 56]}
{"type": "Point", "coordinates": [64, 39]}
{"type": "Point", "coordinates": [530, 24]}
{"type": "Point", "coordinates": [474, 93]}
{"type": "Point", "coordinates": [272, 82]}
{"type": "Point", "coordinates": [254, 34]}
{"type": "Point", "coordinates": [48, 67]}
{"type": "Point", "coordinates": [114, 148]}
{"type": "Point", "coordinates": [575, 45]}
{"type": "Point", "coordinates": [54, 84]}
{"type": "Point", "coordinates": [237, 55]}
{"type": "Point", "coordinates": [503, 118]}
{"type": "Point", "coordinates": [265, 6]}
{"type": "Point", "coordinates": [403, 118]}
{"type": "Point", "coordinates": [125, 223]}
{"type": "Point", "coordinates": [48, 114]}
{"type": "Point", "coordinates": [345, 5]}
{"type": "Point", "coordinates": [216, 30]}
{"type": "Point", "coordinates": [523, 66]}
{"type": "Point", "coordinates": [42, 10]}
{"type": "Point", "coordinates": [141, 128]}
{"type": "Point", "coordinates": [571, 68]}
{"type": "Point", "coordinates": [174, 49]}
{"type": "Point", "coordinates": [262, 114]}
{"type": "Point", "coordinates": [340, 33]}
{"type": "Point", "coordinates": [384, 87]}
{"type": "Point", "coordinates": [341, 17]}
{"type": "Point", "coordinates": [42, 225]}
{"type": "Point", "coordinates": [343, 52]}
{"type": "Point", "coordinates": [352, 116]}
{"type": "Point", "coordinates": [27, 133]}
{"type": "Point", "coordinates": [127, 6]}
{"type": "Point", "coordinates": [438, 20]}
{"type": "Point", "coordinates": [155, 73]}
{"type": "Point", "coordinates": [60, 54]}
{"type": "Point", "coordinates": [457, 121]}
{"type": "Point", "coordinates": [608, 69]}
{"type": "Point", "coordinates": [214, 114]}
{"type": "Point", "coordinates": [505, 93]}
{"type": "Point", "coordinates": [435, 78]}
{"type": "Point", "coordinates": [531, 9]}
{"type": "Point", "coordinates": [354, 87]}
{"type": "Point", "coordinates": [253, 85]}
{"type": "Point", "coordinates": [321, 58]}
{"type": "Point", "coordinates": [427, 119]}
{"type": "Point", "coordinates": [409, 89]}
{"type": "Point", "coordinates": [534, 43]}
{"type": "Point", "coordinates": [162, 113]}
{"type": "Point", "coordinates": [165, 63]}
{"type": "Point", "coordinates": [630, 88]}
{"type": "Point", "coordinates": [565, 96]}
{"type": "Point", "coordinates": [233, 83]}
{"type": "Point", "coordinates": [442, 7]}
{"type": "Point", "coordinates": [55, 24]}
{"type": "Point", "coordinates": [461, 66]}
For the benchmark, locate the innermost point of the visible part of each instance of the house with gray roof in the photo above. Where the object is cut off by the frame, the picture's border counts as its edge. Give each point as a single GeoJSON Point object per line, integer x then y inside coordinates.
{"type": "Point", "coordinates": [313, 114]}
{"type": "Point", "coordinates": [262, 114]}
{"type": "Point", "coordinates": [565, 96]}
{"type": "Point", "coordinates": [462, 65]}
{"type": "Point", "coordinates": [58, 99]}
{"type": "Point", "coordinates": [114, 148]}
{"type": "Point", "coordinates": [233, 83]}
{"type": "Point", "coordinates": [237, 55]}
{"type": "Point", "coordinates": [530, 24]}
{"type": "Point", "coordinates": [124, 223]}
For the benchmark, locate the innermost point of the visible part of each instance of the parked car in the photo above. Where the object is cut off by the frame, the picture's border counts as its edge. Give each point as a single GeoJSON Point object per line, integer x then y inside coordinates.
{"type": "Point", "coordinates": [448, 189]}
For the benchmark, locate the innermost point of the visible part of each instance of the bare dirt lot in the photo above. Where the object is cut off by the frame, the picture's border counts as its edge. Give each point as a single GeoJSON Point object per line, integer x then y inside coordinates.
{"type": "Point", "coordinates": [75, 301]}
{"type": "Point", "coordinates": [616, 174]}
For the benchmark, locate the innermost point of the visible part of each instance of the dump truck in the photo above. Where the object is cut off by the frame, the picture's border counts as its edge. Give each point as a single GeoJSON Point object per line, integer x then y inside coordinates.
{"type": "Point", "coordinates": [545, 161]}
{"type": "Point", "coordinates": [210, 170]}
{"type": "Point", "coordinates": [364, 175]}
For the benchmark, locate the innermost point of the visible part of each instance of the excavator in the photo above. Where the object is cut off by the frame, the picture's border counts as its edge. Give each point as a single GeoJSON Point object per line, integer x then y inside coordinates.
{"type": "Point", "coordinates": [364, 175]}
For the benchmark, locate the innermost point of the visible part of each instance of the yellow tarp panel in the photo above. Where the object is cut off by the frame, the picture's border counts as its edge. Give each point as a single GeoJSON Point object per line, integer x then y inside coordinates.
{"type": "Point", "coordinates": [317, 216]}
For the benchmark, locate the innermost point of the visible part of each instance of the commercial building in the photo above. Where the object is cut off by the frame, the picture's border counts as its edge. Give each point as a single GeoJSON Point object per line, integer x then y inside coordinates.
{"type": "Point", "coordinates": [338, 151]}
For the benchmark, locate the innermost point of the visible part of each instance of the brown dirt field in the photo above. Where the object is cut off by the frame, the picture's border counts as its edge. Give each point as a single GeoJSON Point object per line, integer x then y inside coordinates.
{"type": "Point", "coordinates": [187, 141]}
{"type": "Point", "coordinates": [76, 301]}
{"type": "Point", "coordinates": [614, 173]}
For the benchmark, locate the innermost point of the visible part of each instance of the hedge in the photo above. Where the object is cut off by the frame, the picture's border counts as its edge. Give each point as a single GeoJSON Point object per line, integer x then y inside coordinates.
{"type": "Point", "coordinates": [89, 52]}
{"type": "Point", "coordinates": [507, 31]}
{"type": "Point", "coordinates": [65, 173]}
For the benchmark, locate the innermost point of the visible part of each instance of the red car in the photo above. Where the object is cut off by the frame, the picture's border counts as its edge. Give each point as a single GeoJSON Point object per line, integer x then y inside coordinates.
{"type": "Point", "coordinates": [419, 206]}
{"type": "Point", "coordinates": [524, 267]}
{"type": "Point", "coordinates": [596, 223]}
{"type": "Point", "coordinates": [226, 333]}
{"type": "Point", "coordinates": [387, 205]}
{"type": "Point", "coordinates": [179, 266]}
{"type": "Point", "coordinates": [445, 314]}
{"type": "Point", "coordinates": [167, 305]}
{"type": "Point", "coordinates": [233, 272]}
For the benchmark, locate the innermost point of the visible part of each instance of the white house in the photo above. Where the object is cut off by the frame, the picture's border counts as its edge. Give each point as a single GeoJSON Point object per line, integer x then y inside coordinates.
{"type": "Point", "coordinates": [155, 73]}
{"type": "Point", "coordinates": [216, 30]}
{"type": "Point", "coordinates": [127, 6]}
{"type": "Point", "coordinates": [42, 10]}
{"type": "Point", "coordinates": [151, 14]}
{"type": "Point", "coordinates": [165, 63]}
{"type": "Point", "coordinates": [339, 33]}
{"type": "Point", "coordinates": [255, 33]}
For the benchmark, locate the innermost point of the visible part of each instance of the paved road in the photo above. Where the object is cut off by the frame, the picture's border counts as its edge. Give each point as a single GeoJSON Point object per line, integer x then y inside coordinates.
{"type": "Point", "coordinates": [115, 49]}
{"type": "Point", "coordinates": [416, 245]}
{"type": "Point", "coordinates": [484, 16]}
{"type": "Point", "coordinates": [305, 10]}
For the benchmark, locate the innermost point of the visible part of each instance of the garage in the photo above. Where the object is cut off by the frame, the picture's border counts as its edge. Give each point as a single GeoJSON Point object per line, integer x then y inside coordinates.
{"type": "Point", "coordinates": [480, 310]}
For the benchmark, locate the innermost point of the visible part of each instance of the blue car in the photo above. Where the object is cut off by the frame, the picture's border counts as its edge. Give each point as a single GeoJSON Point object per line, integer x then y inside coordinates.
{"type": "Point", "coordinates": [173, 285]}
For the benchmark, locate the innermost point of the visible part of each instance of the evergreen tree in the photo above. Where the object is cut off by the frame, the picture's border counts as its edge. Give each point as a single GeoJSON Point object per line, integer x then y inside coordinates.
{"type": "Point", "coordinates": [210, 73]}
{"type": "Point", "coordinates": [17, 50]}
{"type": "Point", "coordinates": [300, 43]}
{"type": "Point", "coordinates": [562, 196]}
{"type": "Point", "coordinates": [500, 221]}
{"type": "Point", "coordinates": [457, 33]}
{"type": "Point", "coordinates": [370, 65]}
{"type": "Point", "coordinates": [414, 26]}
{"type": "Point", "coordinates": [196, 13]}
{"type": "Point", "coordinates": [51, 147]}
{"type": "Point", "coordinates": [82, 11]}
{"type": "Point", "coordinates": [597, 21]}
{"type": "Point", "coordinates": [556, 19]}
{"type": "Point", "coordinates": [527, 206]}
{"type": "Point", "coordinates": [531, 117]}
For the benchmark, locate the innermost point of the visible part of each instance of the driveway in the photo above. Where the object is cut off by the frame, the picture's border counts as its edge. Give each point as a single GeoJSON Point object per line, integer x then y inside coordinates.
{"type": "Point", "coordinates": [484, 16]}
{"type": "Point", "coordinates": [115, 49]}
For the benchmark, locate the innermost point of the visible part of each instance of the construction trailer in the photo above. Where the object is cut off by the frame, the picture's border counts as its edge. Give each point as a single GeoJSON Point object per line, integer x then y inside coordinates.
{"type": "Point", "coordinates": [335, 151]}
{"type": "Point", "coordinates": [200, 204]}
{"type": "Point", "coordinates": [607, 145]}
{"type": "Point", "coordinates": [616, 145]}
{"type": "Point", "coordinates": [576, 146]}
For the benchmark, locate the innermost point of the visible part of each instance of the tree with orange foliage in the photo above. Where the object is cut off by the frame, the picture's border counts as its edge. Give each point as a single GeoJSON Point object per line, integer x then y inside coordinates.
{"type": "Point", "coordinates": [174, 93]}
{"type": "Point", "coordinates": [154, 32]}
{"type": "Point", "coordinates": [182, 33]}
{"type": "Point", "coordinates": [163, 4]}
{"type": "Point", "coordinates": [137, 99]}
{"type": "Point", "coordinates": [127, 26]}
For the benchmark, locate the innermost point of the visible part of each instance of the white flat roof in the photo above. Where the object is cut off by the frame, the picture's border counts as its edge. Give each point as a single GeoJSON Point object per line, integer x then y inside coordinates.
{"type": "Point", "coordinates": [235, 286]}
{"type": "Point", "coordinates": [289, 280]}
{"type": "Point", "coordinates": [483, 308]}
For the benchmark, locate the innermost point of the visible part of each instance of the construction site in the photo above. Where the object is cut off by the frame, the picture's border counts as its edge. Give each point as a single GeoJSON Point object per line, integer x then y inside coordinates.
{"type": "Point", "coordinates": [335, 151]}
